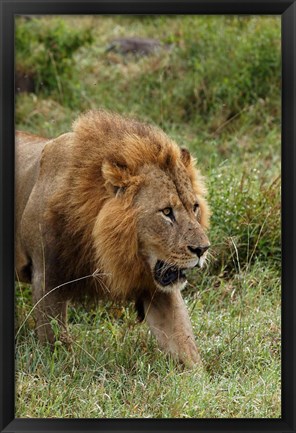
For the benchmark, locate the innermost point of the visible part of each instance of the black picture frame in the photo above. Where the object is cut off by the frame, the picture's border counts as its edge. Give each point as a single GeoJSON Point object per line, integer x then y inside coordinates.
{"type": "Point", "coordinates": [8, 10]}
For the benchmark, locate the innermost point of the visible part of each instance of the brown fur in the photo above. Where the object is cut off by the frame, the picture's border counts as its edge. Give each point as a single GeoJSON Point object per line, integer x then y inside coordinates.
{"type": "Point", "coordinates": [83, 206]}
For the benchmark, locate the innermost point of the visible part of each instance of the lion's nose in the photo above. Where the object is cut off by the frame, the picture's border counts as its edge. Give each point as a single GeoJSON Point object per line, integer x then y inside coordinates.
{"type": "Point", "coordinates": [199, 251]}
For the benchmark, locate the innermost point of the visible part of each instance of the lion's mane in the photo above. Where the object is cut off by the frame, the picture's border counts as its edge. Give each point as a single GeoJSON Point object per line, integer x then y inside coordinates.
{"type": "Point", "coordinates": [105, 145]}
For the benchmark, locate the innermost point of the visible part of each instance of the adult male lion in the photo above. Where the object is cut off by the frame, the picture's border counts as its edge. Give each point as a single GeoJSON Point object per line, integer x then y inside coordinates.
{"type": "Point", "coordinates": [117, 199]}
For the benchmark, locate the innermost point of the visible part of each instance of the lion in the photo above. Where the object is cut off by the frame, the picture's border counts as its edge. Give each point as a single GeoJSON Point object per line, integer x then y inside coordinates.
{"type": "Point", "coordinates": [114, 210]}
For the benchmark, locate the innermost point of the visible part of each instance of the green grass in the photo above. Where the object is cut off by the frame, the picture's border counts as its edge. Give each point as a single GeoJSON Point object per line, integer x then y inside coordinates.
{"type": "Point", "coordinates": [222, 100]}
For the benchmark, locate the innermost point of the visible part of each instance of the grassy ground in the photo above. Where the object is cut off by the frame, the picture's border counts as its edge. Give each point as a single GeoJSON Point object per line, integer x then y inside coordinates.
{"type": "Point", "coordinates": [216, 90]}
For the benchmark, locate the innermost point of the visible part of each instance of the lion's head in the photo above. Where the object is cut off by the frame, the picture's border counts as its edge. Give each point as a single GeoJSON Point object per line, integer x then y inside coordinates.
{"type": "Point", "coordinates": [171, 224]}
{"type": "Point", "coordinates": [150, 213]}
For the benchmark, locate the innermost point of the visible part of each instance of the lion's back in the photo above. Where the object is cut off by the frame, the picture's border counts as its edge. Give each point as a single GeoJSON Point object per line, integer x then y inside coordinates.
{"type": "Point", "coordinates": [28, 151]}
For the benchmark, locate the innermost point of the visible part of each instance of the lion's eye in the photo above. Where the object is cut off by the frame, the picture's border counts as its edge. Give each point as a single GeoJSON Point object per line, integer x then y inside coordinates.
{"type": "Point", "coordinates": [195, 207]}
{"type": "Point", "coordinates": [168, 212]}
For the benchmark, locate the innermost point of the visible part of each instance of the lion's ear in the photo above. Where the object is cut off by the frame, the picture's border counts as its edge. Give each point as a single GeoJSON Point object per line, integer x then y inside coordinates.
{"type": "Point", "coordinates": [116, 174]}
{"type": "Point", "coordinates": [185, 156]}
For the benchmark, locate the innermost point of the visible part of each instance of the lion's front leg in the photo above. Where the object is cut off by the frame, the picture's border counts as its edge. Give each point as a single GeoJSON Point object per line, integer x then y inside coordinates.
{"type": "Point", "coordinates": [168, 319]}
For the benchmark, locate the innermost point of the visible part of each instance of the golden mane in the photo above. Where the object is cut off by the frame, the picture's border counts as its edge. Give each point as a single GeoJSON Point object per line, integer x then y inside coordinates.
{"type": "Point", "coordinates": [109, 149]}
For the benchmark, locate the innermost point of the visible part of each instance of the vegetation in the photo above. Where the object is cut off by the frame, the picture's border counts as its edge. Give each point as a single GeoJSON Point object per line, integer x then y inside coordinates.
{"type": "Point", "coordinates": [214, 87]}
{"type": "Point", "coordinates": [48, 56]}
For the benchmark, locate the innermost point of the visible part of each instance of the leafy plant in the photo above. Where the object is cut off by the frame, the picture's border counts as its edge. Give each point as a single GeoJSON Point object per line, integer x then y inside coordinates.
{"type": "Point", "coordinates": [45, 51]}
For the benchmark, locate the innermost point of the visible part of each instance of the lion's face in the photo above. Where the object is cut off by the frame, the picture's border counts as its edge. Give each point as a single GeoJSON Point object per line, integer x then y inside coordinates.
{"type": "Point", "coordinates": [170, 227]}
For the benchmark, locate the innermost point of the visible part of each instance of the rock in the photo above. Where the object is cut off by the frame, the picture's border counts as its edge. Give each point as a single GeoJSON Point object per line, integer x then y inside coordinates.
{"type": "Point", "coordinates": [137, 46]}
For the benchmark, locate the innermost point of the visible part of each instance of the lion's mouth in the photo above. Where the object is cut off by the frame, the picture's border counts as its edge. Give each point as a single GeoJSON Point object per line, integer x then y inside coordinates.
{"type": "Point", "coordinates": [165, 274]}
